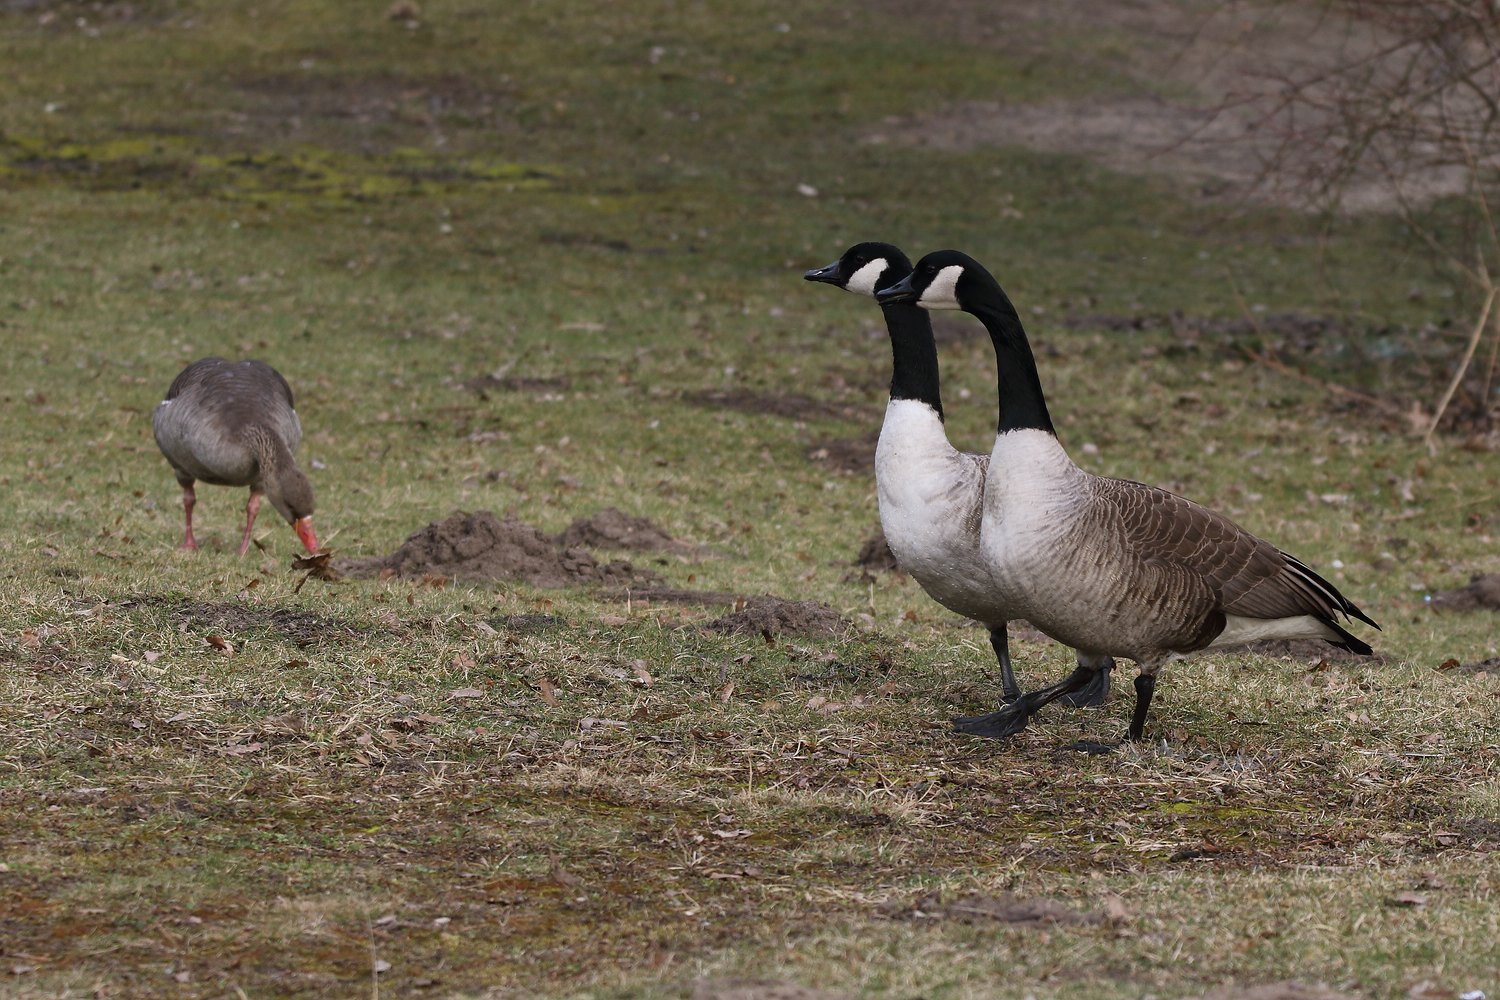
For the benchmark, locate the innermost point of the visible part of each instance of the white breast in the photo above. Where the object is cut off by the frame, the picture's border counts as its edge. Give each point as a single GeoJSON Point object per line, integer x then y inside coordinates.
{"type": "Point", "coordinates": [930, 505]}
{"type": "Point", "coordinates": [1032, 493]}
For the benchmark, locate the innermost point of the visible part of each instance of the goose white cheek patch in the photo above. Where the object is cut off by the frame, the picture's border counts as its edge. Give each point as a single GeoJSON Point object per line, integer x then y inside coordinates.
{"type": "Point", "coordinates": [862, 282]}
{"type": "Point", "coordinates": [939, 293]}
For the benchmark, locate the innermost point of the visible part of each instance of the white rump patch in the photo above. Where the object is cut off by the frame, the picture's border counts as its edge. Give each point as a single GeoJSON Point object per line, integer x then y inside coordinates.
{"type": "Point", "coordinates": [1238, 629]}
{"type": "Point", "coordinates": [940, 293]}
{"type": "Point", "coordinates": [863, 281]}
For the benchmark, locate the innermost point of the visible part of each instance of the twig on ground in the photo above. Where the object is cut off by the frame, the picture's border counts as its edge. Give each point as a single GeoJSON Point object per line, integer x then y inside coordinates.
{"type": "Point", "coordinates": [1463, 368]}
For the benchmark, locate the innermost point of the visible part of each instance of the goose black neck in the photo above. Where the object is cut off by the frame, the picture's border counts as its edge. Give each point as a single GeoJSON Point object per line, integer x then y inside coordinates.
{"type": "Point", "coordinates": [914, 361]}
{"type": "Point", "coordinates": [1022, 405]}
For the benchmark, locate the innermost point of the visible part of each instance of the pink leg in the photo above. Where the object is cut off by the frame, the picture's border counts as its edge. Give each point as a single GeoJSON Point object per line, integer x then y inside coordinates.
{"type": "Point", "coordinates": [189, 500]}
{"type": "Point", "coordinates": [250, 510]}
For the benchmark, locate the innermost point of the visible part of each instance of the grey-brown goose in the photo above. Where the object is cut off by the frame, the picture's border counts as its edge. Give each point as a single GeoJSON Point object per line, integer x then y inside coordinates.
{"type": "Point", "coordinates": [231, 423]}
{"type": "Point", "coordinates": [1109, 566]}
{"type": "Point", "coordinates": [931, 494]}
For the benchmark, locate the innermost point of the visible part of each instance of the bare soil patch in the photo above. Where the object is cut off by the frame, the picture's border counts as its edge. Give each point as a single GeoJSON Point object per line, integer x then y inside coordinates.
{"type": "Point", "coordinates": [1205, 75]}
{"type": "Point", "coordinates": [772, 616]}
{"type": "Point", "coordinates": [849, 456]}
{"type": "Point", "coordinates": [1311, 651]}
{"type": "Point", "coordinates": [1482, 593]}
{"type": "Point", "coordinates": [1004, 908]}
{"type": "Point", "coordinates": [789, 405]}
{"type": "Point", "coordinates": [673, 595]}
{"type": "Point", "coordinates": [484, 384]}
{"type": "Point", "coordinates": [957, 329]}
{"type": "Point", "coordinates": [1490, 666]}
{"type": "Point", "coordinates": [302, 628]}
{"type": "Point", "coordinates": [481, 547]}
{"type": "Point", "coordinates": [526, 623]}
{"type": "Point", "coordinates": [1392, 367]}
{"type": "Point", "coordinates": [1291, 989]}
{"type": "Point", "coordinates": [762, 989]}
{"type": "Point", "coordinates": [306, 102]}
{"type": "Point", "coordinates": [875, 555]}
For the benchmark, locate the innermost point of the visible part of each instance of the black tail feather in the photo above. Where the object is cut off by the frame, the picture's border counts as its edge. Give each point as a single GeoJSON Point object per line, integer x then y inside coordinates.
{"type": "Point", "coordinates": [1347, 640]}
{"type": "Point", "coordinates": [1336, 600]}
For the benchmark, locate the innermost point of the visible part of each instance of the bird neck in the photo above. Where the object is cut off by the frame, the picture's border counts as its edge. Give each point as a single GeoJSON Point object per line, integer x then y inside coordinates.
{"type": "Point", "coordinates": [270, 452]}
{"type": "Point", "coordinates": [914, 362]}
{"type": "Point", "coordinates": [1022, 404]}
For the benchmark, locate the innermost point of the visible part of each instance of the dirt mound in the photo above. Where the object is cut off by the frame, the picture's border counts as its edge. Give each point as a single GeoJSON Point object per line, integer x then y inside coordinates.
{"type": "Point", "coordinates": [1483, 592]}
{"type": "Point", "coordinates": [480, 546]}
{"type": "Point", "coordinates": [875, 555]}
{"type": "Point", "coordinates": [767, 615]}
{"type": "Point", "coordinates": [612, 528]}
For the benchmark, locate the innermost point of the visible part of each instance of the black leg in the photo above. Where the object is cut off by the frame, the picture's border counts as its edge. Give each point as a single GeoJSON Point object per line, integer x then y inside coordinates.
{"type": "Point", "coordinates": [1093, 694]}
{"type": "Point", "coordinates": [1145, 686]}
{"type": "Point", "coordinates": [1013, 717]}
{"type": "Point", "coordinates": [1000, 642]}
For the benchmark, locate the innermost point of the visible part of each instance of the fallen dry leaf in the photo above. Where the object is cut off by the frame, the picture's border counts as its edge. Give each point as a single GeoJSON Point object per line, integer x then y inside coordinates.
{"type": "Point", "coordinates": [547, 691]}
{"type": "Point", "coordinates": [221, 644]}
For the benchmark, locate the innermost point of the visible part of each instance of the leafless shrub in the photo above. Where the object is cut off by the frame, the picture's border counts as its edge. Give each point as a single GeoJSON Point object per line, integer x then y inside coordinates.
{"type": "Point", "coordinates": [1410, 102]}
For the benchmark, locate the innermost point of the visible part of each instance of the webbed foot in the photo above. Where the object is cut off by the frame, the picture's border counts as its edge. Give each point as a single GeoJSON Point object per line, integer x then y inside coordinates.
{"type": "Point", "coordinates": [1092, 747]}
{"type": "Point", "coordinates": [998, 724]}
{"type": "Point", "coordinates": [1092, 694]}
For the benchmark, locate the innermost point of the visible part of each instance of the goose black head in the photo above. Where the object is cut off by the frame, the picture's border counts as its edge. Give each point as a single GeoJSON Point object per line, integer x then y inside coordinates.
{"type": "Point", "coordinates": [864, 268]}
{"type": "Point", "coordinates": [944, 279]}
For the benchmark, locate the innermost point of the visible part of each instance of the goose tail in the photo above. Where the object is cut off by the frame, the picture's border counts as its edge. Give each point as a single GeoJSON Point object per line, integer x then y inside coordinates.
{"type": "Point", "coordinates": [1348, 640]}
{"type": "Point", "coordinates": [1327, 595]}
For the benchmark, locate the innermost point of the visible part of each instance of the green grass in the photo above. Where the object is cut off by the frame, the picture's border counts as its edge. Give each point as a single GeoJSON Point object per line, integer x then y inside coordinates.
{"type": "Point", "coordinates": [387, 212]}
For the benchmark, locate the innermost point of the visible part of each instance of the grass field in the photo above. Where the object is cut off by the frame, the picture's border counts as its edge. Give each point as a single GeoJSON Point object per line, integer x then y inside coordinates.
{"type": "Point", "coordinates": [436, 788]}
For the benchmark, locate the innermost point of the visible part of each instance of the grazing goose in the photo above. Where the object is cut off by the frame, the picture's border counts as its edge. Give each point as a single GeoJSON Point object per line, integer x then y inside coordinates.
{"type": "Point", "coordinates": [232, 424]}
{"type": "Point", "coordinates": [1109, 566]}
{"type": "Point", "coordinates": [931, 494]}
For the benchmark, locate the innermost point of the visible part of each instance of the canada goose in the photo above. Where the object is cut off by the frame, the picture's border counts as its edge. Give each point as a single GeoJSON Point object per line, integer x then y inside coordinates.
{"type": "Point", "coordinates": [232, 424]}
{"type": "Point", "coordinates": [931, 494]}
{"type": "Point", "coordinates": [1109, 566]}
